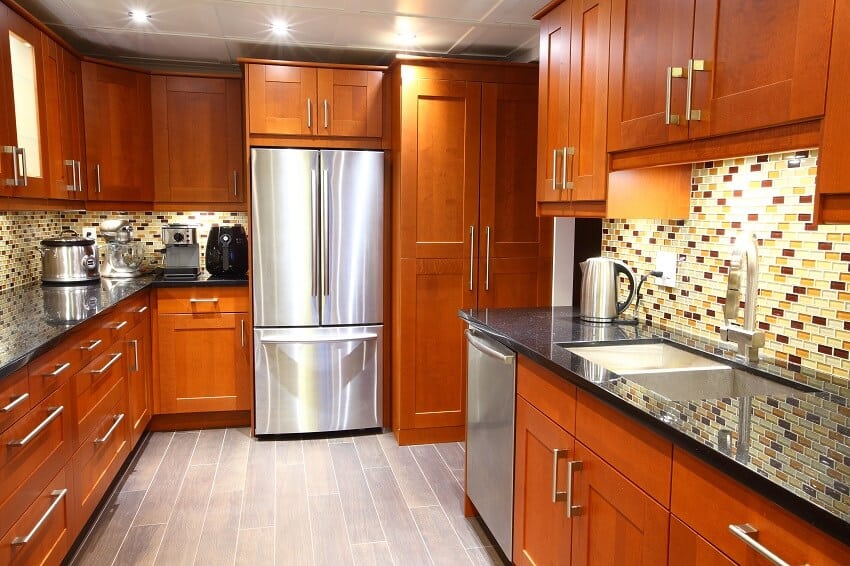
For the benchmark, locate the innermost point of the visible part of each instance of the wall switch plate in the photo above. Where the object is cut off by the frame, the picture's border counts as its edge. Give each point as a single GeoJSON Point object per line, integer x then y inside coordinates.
{"type": "Point", "coordinates": [666, 263]}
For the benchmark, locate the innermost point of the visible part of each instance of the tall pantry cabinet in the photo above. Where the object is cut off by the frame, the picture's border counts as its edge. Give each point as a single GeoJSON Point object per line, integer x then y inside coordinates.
{"type": "Point", "coordinates": [465, 230]}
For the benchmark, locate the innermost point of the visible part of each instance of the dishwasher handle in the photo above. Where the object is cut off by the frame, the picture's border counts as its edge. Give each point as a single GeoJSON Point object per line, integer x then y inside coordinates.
{"type": "Point", "coordinates": [486, 349]}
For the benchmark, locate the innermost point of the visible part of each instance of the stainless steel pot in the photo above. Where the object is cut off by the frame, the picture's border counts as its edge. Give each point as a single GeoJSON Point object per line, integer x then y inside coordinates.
{"type": "Point", "coordinates": [64, 304]}
{"type": "Point", "coordinates": [69, 258]}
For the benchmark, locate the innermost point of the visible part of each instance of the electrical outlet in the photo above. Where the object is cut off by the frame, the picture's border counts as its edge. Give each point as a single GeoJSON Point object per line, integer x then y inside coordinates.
{"type": "Point", "coordinates": [666, 263]}
{"type": "Point", "coordinates": [90, 233]}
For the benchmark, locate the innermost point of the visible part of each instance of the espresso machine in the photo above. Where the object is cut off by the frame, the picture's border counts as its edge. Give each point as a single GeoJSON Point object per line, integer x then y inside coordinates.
{"type": "Point", "coordinates": [182, 251]}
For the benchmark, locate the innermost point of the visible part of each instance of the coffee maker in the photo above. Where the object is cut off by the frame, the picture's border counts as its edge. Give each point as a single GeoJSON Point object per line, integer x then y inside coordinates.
{"type": "Point", "coordinates": [182, 251]}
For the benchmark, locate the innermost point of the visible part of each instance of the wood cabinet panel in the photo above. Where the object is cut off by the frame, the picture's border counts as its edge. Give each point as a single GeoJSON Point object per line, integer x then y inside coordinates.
{"type": "Point", "coordinates": [709, 501]}
{"type": "Point", "coordinates": [139, 375]}
{"type": "Point", "coordinates": [549, 393]}
{"type": "Point", "coordinates": [689, 549]}
{"type": "Point", "coordinates": [617, 523]}
{"type": "Point", "coordinates": [349, 103]}
{"type": "Point", "coordinates": [282, 100]}
{"type": "Point", "coordinates": [197, 142]}
{"type": "Point", "coordinates": [117, 107]}
{"type": "Point", "coordinates": [61, 182]}
{"type": "Point", "coordinates": [15, 398]}
{"type": "Point", "coordinates": [542, 531]}
{"type": "Point", "coordinates": [202, 300]}
{"type": "Point", "coordinates": [50, 522]}
{"type": "Point", "coordinates": [92, 386]}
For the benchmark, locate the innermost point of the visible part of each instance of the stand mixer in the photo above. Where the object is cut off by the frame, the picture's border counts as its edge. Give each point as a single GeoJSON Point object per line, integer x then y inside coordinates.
{"type": "Point", "coordinates": [123, 255]}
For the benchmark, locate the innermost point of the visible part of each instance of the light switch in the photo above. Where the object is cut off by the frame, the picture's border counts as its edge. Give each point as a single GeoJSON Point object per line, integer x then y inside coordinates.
{"type": "Point", "coordinates": [666, 263]}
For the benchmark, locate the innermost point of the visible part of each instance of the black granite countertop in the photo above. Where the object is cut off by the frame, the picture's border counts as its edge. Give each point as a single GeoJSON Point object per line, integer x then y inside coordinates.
{"type": "Point", "coordinates": [204, 279]}
{"type": "Point", "coordinates": [798, 448]}
{"type": "Point", "coordinates": [34, 318]}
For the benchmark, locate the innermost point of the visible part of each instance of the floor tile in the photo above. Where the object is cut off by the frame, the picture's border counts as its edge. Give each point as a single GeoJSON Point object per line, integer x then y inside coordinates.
{"type": "Point", "coordinates": [254, 548]}
{"type": "Point", "coordinates": [141, 472]}
{"type": "Point", "coordinates": [327, 523]}
{"type": "Point", "coordinates": [320, 472]}
{"type": "Point", "coordinates": [140, 546]}
{"type": "Point", "coordinates": [160, 497]}
{"type": "Point", "coordinates": [180, 542]}
{"type": "Point", "coordinates": [415, 489]}
{"type": "Point", "coordinates": [361, 519]}
{"type": "Point", "coordinates": [220, 530]}
{"type": "Point", "coordinates": [258, 505]}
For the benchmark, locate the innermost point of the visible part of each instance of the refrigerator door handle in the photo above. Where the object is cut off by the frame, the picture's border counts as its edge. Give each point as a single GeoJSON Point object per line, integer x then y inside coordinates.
{"type": "Point", "coordinates": [313, 339]}
{"type": "Point", "coordinates": [314, 288]}
{"type": "Point", "coordinates": [325, 235]}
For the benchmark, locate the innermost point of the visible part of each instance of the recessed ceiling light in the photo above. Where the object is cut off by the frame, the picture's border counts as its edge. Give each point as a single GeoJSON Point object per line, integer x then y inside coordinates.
{"type": "Point", "coordinates": [139, 16]}
{"type": "Point", "coordinates": [406, 37]}
{"type": "Point", "coordinates": [280, 27]}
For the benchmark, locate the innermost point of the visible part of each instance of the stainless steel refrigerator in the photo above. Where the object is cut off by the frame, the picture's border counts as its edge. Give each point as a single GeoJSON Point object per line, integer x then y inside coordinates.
{"type": "Point", "coordinates": [318, 255]}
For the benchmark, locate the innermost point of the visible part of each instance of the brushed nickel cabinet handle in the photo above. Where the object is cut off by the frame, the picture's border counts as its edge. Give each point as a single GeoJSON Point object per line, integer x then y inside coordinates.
{"type": "Point", "coordinates": [693, 66]}
{"type": "Point", "coordinates": [235, 183]}
{"type": "Point", "coordinates": [142, 310]}
{"type": "Point", "coordinates": [242, 331]}
{"type": "Point", "coordinates": [568, 151]}
{"type": "Point", "coordinates": [73, 165]}
{"type": "Point", "coordinates": [54, 412]}
{"type": "Point", "coordinates": [59, 369]}
{"type": "Point", "coordinates": [471, 255]}
{"type": "Point", "coordinates": [555, 169]}
{"type": "Point", "coordinates": [18, 400]}
{"type": "Point", "coordinates": [135, 344]}
{"type": "Point", "coordinates": [15, 180]}
{"type": "Point", "coordinates": [573, 466]}
{"type": "Point", "coordinates": [309, 114]}
{"type": "Point", "coordinates": [672, 73]}
{"type": "Point", "coordinates": [22, 152]}
{"type": "Point", "coordinates": [120, 325]}
{"type": "Point", "coordinates": [105, 437]}
{"type": "Point", "coordinates": [487, 262]}
{"type": "Point", "coordinates": [109, 364]}
{"type": "Point", "coordinates": [325, 104]}
{"type": "Point", "coordinates": [556, 456]}
{"type": "Point", "coordinates": [92, 345]}
{"type": "Point", "coordinates": [58, 495]}
{"type": "Point", "coordinates": [97, 176]}
{"type": "Point", "coordinates": [213, 300]}
{"type": "Point", "coordinates": [746, 533]}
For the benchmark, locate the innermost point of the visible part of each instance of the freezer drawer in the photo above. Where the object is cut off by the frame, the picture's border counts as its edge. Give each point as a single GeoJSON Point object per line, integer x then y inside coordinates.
{"type": "Point", "coordinates": [317, 379]}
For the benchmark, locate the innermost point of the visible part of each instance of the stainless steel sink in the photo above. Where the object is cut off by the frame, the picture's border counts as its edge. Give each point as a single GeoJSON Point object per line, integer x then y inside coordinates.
{"type": "Point", "coordinates": [680, 375]}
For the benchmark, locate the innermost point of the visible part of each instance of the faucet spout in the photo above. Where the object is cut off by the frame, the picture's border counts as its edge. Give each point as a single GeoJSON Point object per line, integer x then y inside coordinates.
{"type": "Point", "coordinates": [749, 340]}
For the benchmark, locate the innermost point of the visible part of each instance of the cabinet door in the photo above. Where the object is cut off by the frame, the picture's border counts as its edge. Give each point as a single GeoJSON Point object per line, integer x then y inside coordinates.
{"type": "Point", "coordinates": [138, 354]}
{"type": "Point", "coordinates": [197, 139]}
{"type": "Point", "coordinates": [542, 531]}
{"type": "Point", "coordinates": [203, 364]}
{"type": "Point", "coordinates": [282, 100]}
{"type": "Point", "coordinates": [588, 165]}
{"type": "Point", "coordinates": [118, 133]}
{"type": "Point", "coordinates": [349, 103]}
{"type": "Point", "coordinates": [71, 118]}
{"type": "Point", "coordinates": [765, 63]}
{"type": "Point", "coordinates": [62, 181]}
{"type": "Point", "coordinates": [647, 37]}
{"type": "Point", "coordinates": [687, 548]}
{"type": "Point", "coordinates": [440, 154]}
{"type": "Point", "coordinates": [432, 351]}
{"type": "Point", "coordinates": [553, 113]}
{"type": "Point", "coordinates": [25, 138]}
{"type": "Point", "coordinates": [616, 522]}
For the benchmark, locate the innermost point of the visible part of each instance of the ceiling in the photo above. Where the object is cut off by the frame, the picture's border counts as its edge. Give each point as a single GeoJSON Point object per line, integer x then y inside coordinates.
{"type": "Point", "coordinates": [207, 34]}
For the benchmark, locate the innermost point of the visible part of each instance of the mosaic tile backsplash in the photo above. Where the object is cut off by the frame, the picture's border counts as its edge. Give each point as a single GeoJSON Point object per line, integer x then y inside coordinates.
{"type": "Point", "coordinates": [21, 232]}
{"type": "Point", "coordinates": [804, 270]}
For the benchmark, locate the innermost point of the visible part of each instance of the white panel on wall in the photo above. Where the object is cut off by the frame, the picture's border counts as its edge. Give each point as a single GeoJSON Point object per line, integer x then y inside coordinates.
{"type": "Point", "coordinates": [563, 261]}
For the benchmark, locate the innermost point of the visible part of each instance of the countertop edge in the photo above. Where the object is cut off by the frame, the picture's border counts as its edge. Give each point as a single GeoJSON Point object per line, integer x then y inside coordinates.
{"type": "Point", "coordinates": [818, 517]}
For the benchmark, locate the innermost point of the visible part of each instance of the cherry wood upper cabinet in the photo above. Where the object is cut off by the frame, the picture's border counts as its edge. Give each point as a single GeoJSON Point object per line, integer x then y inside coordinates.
{"type": "Point", "coordinates": [281, 100]}
{"type": "Point", "coordinates": [690, 69]}
{"type": "Point", "coordinates": [117, 105]}
{"type": "Point", "coordinates": [350, 103]}
{"type": "Point", "coordinates": [24, 162]}
{"type": "Point", "coordinates": [197, 139]}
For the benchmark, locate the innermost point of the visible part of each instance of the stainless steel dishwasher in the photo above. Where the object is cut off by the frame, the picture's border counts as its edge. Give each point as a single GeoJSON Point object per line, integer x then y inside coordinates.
{"type": "Point", "coordinates": [490, 409]}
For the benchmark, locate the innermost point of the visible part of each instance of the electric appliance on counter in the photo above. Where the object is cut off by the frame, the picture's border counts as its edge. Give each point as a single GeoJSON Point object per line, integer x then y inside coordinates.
{"type": "Point", "coordinates": [599, 289]}
{"type": "Point", "coordinates": [490, 412]}
{"type": "Point", "coordinates": [69, 259]}
{"type": "Point", "coordinates": [182, 251]}
{"type": "Point", "coordinates": [317, 233]}
{"type": "Point", "coordinates": [123, 257]}
{"type": "Point", "coordinates": [227, 251]}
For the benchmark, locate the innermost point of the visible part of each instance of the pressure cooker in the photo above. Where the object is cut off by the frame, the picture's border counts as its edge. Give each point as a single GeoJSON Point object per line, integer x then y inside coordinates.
{"type": "Point", "coordinates": [69, 258]}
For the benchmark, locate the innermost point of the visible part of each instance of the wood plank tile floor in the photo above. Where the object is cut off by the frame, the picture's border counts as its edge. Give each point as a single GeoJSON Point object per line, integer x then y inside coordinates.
{"type": "Point", "coordinates": [221, 497]}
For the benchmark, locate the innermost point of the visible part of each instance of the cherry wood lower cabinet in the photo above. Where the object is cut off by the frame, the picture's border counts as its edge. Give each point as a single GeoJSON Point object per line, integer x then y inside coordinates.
{"type": "Point", "coordinates": [687, 547]}
{"type": "Point", "coordinates": [138, 353]}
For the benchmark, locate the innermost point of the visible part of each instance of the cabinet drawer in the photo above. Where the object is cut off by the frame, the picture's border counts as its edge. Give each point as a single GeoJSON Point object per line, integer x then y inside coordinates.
{"type": "Point", "coordinates": [93, 384]}
{"type": "Point", "coordinates": [101, 454]}
{"type": "Point", "coordinates": [635, 451]}
{"type": "Point", "coordinates": [15, 398]}
{"type": "Point", "coordinates": [551, 394]}
{"type": "Point", "coordinates": [31, 452]}
{"type": "Point", "coordinates": [128, 314]}
{"type": "Point", "coordinates": [202, 300]}
{"type": "Point", "coordinates": [709, 502]}
{"type": "Point", "coordinates": [42, 535]}
{"type": "Point", "coordinates": [53, 368]}
{"type": "Point", "coordinates": [689, 549]}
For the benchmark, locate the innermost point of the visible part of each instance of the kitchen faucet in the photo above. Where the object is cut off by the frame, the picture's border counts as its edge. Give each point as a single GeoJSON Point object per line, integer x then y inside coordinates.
{"type": "Point", "coordinates": [749, 339]}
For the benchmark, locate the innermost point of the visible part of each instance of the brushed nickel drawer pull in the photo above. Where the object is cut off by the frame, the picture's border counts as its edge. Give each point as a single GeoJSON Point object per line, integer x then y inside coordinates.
{"type": "Point", "coordinates": [142, 310]}
{"type": "Point", "coordinates": [746, 533]}
{"type": "Point", "coordinates": [109, 364]}
{"type": "Point", "coordinates": [203, 300]}
{"type": "Point", "coordinates": [92, 345]}
{"type": "Point", "coordinates": [556, 456]}
{"type": "Point", "coordinates": [58, 495]}
{"type": "Point", "coordinates": [121, 325]}
{"type": "Point", "coordinates": [105, 437]}
{"type": "Point", "coordinates": [572, 467]}
{"type": "Point", "coordinates": [59, 369]}
{"type": "Point", "coordinates": [18, 400]}
{"type": "Point", "coordinates": [54, 412]}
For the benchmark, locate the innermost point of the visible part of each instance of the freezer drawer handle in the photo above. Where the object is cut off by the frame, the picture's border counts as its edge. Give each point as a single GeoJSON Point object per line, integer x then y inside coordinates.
{"type": "Point", "coordinates": [59, 495]}
{"type": "Point", "coordinates": [485, 349]}
{"type": "Point", "coordinates": [307, 339]}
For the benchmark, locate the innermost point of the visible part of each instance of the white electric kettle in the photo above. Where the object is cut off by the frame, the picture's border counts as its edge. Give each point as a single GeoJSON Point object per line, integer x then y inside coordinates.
{"type": "Point", "coordinates": [599, 293]}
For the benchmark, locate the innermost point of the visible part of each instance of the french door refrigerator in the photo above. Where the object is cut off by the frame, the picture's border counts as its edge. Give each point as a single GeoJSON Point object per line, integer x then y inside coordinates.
{"type": "Point", "coordinates": [318, 227]}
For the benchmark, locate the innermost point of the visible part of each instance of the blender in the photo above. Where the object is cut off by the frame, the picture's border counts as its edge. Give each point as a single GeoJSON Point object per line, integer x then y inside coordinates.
{"type": "Point", "coordinates": [123, 255]}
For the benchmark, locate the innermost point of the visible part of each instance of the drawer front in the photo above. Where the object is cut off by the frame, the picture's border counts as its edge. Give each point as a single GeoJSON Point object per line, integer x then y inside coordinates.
{"type": "Point", "coordinates": [15, 398]}
{"type": "Point", "coordinates": [709, 502]}
{"type": "Point", "coordinates": [92, 385]}
{"type": "Point", "coordinates": [42, 535]}
{"type": "Point", "coordinates": [101, 454]}
{"type": "Point", "coordinates": [133, 310]}
{"type": "Point", "coordinates": [53, 368]}
{"type": "Point", "coordinates": [202, 300]}
{"type": "Point", "coordinates": [634, 450]}
{"type": "Point", "coordinates": [550, 394]}
{"type": "Point", "coordinates": [31, 453]}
